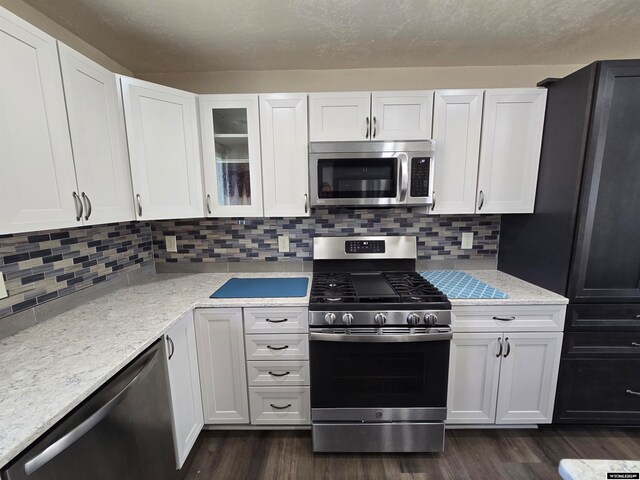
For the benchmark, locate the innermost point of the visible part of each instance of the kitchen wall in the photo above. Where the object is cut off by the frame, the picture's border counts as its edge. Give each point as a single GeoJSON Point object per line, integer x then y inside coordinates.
{"type": "Point", "coordinates": [360, 79]}
{"type": "Point", "coordinates": [42, 266]}
{"type": "Point", "coordinates": [37, 19]}
{"type": "Point", "coordinates": [219, 241]}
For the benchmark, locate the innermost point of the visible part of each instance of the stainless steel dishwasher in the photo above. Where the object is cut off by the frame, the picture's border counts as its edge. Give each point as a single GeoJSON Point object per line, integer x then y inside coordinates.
{"type": "Point", "coordinates": [122, 432]}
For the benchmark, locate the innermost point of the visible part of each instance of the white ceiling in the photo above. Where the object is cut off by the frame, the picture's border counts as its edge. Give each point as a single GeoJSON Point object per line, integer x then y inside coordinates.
{"type": "Point", "coordinates": [208, 35]}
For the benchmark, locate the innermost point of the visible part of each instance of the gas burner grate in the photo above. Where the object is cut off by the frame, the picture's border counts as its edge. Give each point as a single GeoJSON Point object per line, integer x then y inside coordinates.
{"type": "Point", "coordinates": [412, 287]}
{"type": "Point", "coordinates": [332, 288]}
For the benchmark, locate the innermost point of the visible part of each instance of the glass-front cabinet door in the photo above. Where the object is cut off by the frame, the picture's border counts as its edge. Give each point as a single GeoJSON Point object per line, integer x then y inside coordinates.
{"type": "Point", "coordinates": [231, 153]}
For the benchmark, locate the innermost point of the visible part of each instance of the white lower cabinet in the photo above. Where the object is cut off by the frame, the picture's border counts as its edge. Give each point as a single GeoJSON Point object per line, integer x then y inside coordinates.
{"type": "Point", "coordinates": [184, 382]}
{"type": "Point", "coordinates": [275, 373]}
{"type": "Point", "coordinates": [503, 378]}
{"type": "Point", "coordinates": [221, 360]}
{"type": "Point", "coordinates": [528, 377]}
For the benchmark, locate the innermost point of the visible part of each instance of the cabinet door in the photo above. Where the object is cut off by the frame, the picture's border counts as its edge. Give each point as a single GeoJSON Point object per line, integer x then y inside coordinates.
{"type": "Point", "coordinates": [162, 132]}
{"type": "Point", "coordinates": [510, 153]}
{"type": "Point", "coordinates": [401, 115]}
{"type": "Point", "coordinates": [184, 383]}
{"type": "Point", "coordinates": [37, 178]}
{"type": "Point", "coordinates": [474, 370]}
{"type": "Point", "coordinates": [285, 155]}
{"type": "Point", "coordinates": [339, 117]}
{"type": "Point", "coordinates": [528, 377]}
{"type": "Point", "coordinates": [231, 154]}
{"type": "Point", "coordinates": [100, 153]}
{"type": "Point", "coordinates": [606, 266]}
{"type": "Point", "coordinates": [457, 119]}
{"type": "Point", "coordinates": [223, 374]}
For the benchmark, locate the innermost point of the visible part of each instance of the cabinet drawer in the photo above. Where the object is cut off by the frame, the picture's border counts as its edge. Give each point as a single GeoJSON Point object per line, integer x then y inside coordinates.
{"type": "Point", "coordinates": [276, 320]}
{"type": "Point", "coordinates": [280, 405]}
{"type": "Point", "coordinates": [525, 318]}
{"type": "Point", "coordinates": [622, 317]}
{"type": "Point", "coordinates": [267, 373]}
{"type": "Point", "coordinates": [601, 344]}
{"type": "Point", "coordinates": [273, 347]}
{"type": "Point", "coordinates": [597, 391]}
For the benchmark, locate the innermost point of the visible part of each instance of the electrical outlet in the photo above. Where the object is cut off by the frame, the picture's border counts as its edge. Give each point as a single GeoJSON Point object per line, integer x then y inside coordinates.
{"type": "Point", "coordinates": [283, 243]}
{"type": "Point", "coordinates": [467, 240]}
{"type": "Point", "coordinates": [171, 243]}
{"type": "Point", "coordinates": [3, 288]}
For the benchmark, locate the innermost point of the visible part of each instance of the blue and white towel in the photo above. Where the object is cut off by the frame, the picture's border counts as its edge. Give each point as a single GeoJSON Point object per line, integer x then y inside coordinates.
{"type": "Point", "coordinates": [457, 284]}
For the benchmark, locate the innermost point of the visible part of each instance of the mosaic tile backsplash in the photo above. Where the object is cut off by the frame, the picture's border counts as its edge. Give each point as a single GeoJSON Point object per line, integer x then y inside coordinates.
{"type": "Point", "coordinates": [42, 266]}
{"type": "Point", "coordinates": [239, 240]}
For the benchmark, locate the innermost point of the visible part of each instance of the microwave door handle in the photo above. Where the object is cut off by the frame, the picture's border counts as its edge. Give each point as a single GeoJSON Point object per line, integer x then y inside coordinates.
{"type": "Point", "coordinates": [404, 176]}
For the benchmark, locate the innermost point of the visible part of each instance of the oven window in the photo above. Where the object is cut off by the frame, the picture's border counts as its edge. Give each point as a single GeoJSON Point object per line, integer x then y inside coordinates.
{"type": "Point", "coordinates": [379, 375]}
{"type": "Point", "coordinates": [357, 178]}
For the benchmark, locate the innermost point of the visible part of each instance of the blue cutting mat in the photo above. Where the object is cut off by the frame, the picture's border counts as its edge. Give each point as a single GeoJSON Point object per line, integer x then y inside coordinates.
{"type": "Point", "coordinates": [262, 288]}
{"type": "Point", "coordinates": [457, 284]}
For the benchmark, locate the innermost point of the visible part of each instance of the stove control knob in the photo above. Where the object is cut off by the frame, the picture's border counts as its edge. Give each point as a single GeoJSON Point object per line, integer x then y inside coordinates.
{"type": "Point", "coordinates": [413, 319]}
{"type": "Point", "coordinates": [430, 319]}
{"type": "Point", "coordinates": [330, 318]}
{"type": "Point", "coordinates": [347, 319]}
{"type": "Point", "coordinates": [380, 319]}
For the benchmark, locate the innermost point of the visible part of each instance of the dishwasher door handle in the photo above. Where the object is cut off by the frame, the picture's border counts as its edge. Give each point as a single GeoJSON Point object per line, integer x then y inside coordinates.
{"type": "Point", "coordinates": [74, 435]}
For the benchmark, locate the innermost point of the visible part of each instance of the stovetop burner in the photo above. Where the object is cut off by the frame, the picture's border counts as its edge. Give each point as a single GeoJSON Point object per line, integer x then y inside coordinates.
{"type": "Point", "coordinates": [375, 289]}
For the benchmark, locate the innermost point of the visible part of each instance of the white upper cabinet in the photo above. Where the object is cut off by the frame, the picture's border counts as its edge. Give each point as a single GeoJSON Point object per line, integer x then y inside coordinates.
{"type": "Point", "coordinates": [231, 155]}
{"type": "Point", "coordinates": [184, 383]}
{"type": "Point", "coordinates": [401, 115]}
{"type": "Point", "coordinates": [510, 152]}
{"type": "Point", "coordinates": [285, 171]}
{"type": "Point", "coordinates": [338, 117]}
{"type": "Point", "coordinates": [37, 178]}
{"type": "Point", "coordinates": [457, 121]}
{"type": "Point", "coordinates": [100, 153]}
{"type": "Point", "coordinates": [162, 132]}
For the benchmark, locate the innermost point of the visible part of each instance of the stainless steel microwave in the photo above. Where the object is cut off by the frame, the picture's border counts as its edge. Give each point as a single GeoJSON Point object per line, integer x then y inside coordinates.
{"type": "Point", "coordinates": [379, 174]}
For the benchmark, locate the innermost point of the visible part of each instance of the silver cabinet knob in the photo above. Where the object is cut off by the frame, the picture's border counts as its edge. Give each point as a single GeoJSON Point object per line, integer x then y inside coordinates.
{"type": "Point", "coordinates": [347, 318]}
{"type": "Point", "coordinates": [380, 319]}
{"type": "Point", "coordinates": [330, 318]}
{"type": "Point", "coordinates": [413, 319]}
{"type": "Point", "coordinates": [431, 319]}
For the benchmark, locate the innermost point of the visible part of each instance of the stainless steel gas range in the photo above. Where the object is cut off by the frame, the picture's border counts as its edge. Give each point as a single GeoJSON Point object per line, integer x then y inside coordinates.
{"type": "Point", "coordinates": [379, 348]}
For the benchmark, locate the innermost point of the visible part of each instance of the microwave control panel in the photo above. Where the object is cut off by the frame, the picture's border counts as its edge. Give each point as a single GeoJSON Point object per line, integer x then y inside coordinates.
{"type": "Point", "coordinates": [364, 246]}
{"type": "Point", "coordinates": [420, 176]}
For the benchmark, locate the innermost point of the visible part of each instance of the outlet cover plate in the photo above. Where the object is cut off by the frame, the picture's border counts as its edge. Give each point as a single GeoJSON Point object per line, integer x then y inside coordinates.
{"type": "Point", "coordinates": [171, 243]}
{"type": "Point", "coordinates": [3, 288]}
{"type": "Point", "coordinates": [283, 243]}
{"type": "Point", "coordinates": [467, 240]}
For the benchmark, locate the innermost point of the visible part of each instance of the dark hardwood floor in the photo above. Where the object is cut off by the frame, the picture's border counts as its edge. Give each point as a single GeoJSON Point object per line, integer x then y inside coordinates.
{"type": "Point", "coordinates": [469, 454]}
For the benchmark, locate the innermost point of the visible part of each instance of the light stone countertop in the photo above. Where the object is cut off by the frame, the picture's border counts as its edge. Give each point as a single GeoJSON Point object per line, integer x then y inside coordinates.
{"type": "Point", "coordinates": [50, 368]}
{"type": "Point", "coordinates": [574, 469]}
{"type": "Point", "coordinates": [519, 291]}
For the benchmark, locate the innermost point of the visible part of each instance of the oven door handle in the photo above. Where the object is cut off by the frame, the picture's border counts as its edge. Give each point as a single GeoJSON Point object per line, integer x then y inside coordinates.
{"type": "Point", "coordinates": [376, 338]}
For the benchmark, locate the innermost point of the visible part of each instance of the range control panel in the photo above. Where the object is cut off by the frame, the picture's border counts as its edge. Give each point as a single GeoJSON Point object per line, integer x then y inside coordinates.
{"type": "Point", "coordinates": [420, 176]}
{"type": "Point", "coordinates": [364, 246]}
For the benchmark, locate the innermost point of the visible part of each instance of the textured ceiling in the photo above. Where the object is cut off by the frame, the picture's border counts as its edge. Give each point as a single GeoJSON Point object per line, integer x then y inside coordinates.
{"type": "Point", "coordinates": [207, 35]}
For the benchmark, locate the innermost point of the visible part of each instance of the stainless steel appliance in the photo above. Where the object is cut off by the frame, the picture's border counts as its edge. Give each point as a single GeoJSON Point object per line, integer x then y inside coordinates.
{"type": "Point", "coordinates": [371, 173]}
{"type": "Point", "coordinates": [379, 348]}
{"type": "Point", "coordinates": [122, 432]}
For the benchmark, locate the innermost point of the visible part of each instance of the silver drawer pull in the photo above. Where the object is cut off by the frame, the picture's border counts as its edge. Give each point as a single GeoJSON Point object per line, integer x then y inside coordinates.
{"type": "Point", "coordinates": [277, 348]}
{"type": "Point", "coordinates": [504, 319]}
{"type": "Point", "coordinates": [279, 374]}
{"type": "Point", "coordinates": [278, 407]}
{"type": "Point", "coordinates": [631, 392]}
{"type": "Point", "coordinates": [635, 344]}
{"type": "Point", "coordinates": [277, 321]}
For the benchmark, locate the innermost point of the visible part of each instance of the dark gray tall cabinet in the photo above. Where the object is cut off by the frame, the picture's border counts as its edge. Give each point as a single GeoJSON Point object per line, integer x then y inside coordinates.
{"type": "Point", "coordinates": [583, 240]}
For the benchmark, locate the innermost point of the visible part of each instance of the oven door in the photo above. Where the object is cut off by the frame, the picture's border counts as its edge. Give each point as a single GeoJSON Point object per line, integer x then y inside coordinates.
{"type": "Point", "coordinates": [372, 178]}
{"type": "Point", "coordinates": [379, 377]}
